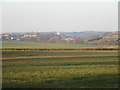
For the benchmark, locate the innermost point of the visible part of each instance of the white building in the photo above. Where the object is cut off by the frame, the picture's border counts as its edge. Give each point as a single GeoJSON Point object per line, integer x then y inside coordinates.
{"type": "Point", "coordinates": [58, 33]}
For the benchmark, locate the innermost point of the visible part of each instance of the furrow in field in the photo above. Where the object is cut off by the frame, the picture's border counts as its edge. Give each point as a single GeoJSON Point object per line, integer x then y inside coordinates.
{"type": "Point", "coordinates": [54, 56]}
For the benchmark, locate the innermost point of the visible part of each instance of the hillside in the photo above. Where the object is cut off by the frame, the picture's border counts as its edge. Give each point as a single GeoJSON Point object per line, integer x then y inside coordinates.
{"type": "Point", "coordinates": [107, 38]}
{"type": "Point", "coordinates": [86, 37]}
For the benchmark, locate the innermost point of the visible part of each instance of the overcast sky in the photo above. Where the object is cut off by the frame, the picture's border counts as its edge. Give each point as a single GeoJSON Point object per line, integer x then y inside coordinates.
{"type": "Point", "coordinates": [59, 16]}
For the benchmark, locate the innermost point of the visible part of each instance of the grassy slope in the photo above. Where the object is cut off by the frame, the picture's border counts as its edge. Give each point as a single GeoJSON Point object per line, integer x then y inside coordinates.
{"type": "Point", "coordinates": [73, 72]}
{"type": "Point", "coordinates": [16, 44]}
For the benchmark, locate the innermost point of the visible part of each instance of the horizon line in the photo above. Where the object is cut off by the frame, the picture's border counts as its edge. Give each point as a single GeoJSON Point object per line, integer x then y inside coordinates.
{"type": "Point", "coordinates": [58, 31]}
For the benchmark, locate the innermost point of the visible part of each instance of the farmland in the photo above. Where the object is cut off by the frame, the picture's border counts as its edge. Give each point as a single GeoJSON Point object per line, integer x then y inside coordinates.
{"type": "Point", "coordinates": [59, 69]}
{"type": "Point", "coordinates": [17, 44]}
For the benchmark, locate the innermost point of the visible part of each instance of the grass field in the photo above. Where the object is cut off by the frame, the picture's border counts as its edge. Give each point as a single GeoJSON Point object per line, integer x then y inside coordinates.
{"type": "Point", "coordinates": [20, 44]}
{"type": "Point", "coordinates": [60, 69]}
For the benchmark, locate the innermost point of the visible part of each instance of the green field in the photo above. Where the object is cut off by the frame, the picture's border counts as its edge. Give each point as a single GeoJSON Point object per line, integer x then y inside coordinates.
{"type": "Point", "coordinates": [44, 69]}
{"type": "Point", "coordinates": [58, 69]}
{"type": "Point", "coordinates": [20, 44]}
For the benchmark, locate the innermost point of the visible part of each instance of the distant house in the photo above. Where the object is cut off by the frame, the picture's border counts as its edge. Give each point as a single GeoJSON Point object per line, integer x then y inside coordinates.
{"type": "Point", "coordinates": [12, 38]}
{"type": "Point", "coordinates": [5, 35]}
{"type": "Point", "coordinates": [29, 35]}
{"type": "Point", "coordinates": [58, 33]}
{"type": "Point", "coordinates": [68, 38]}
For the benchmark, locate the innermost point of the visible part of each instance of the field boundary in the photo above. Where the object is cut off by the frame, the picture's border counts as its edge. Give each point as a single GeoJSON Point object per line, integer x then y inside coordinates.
{"type": "Point", "coordinates": [68, 49]}
{"type": "Point", "coordinates": [56, 56]}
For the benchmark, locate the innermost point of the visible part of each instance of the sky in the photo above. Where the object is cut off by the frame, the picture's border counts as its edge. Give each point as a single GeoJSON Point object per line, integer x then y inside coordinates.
{"type": "Point", "coordinates": [69, 16]}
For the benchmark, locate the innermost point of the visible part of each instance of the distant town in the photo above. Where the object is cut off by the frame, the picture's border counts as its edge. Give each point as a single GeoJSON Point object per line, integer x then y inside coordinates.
{"type": "Point", "coordinates": [90, 37]}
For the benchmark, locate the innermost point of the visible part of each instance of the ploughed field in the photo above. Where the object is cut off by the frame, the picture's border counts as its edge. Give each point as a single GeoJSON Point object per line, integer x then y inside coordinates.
{"type": "Point", "coordinates": [60, 69]}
